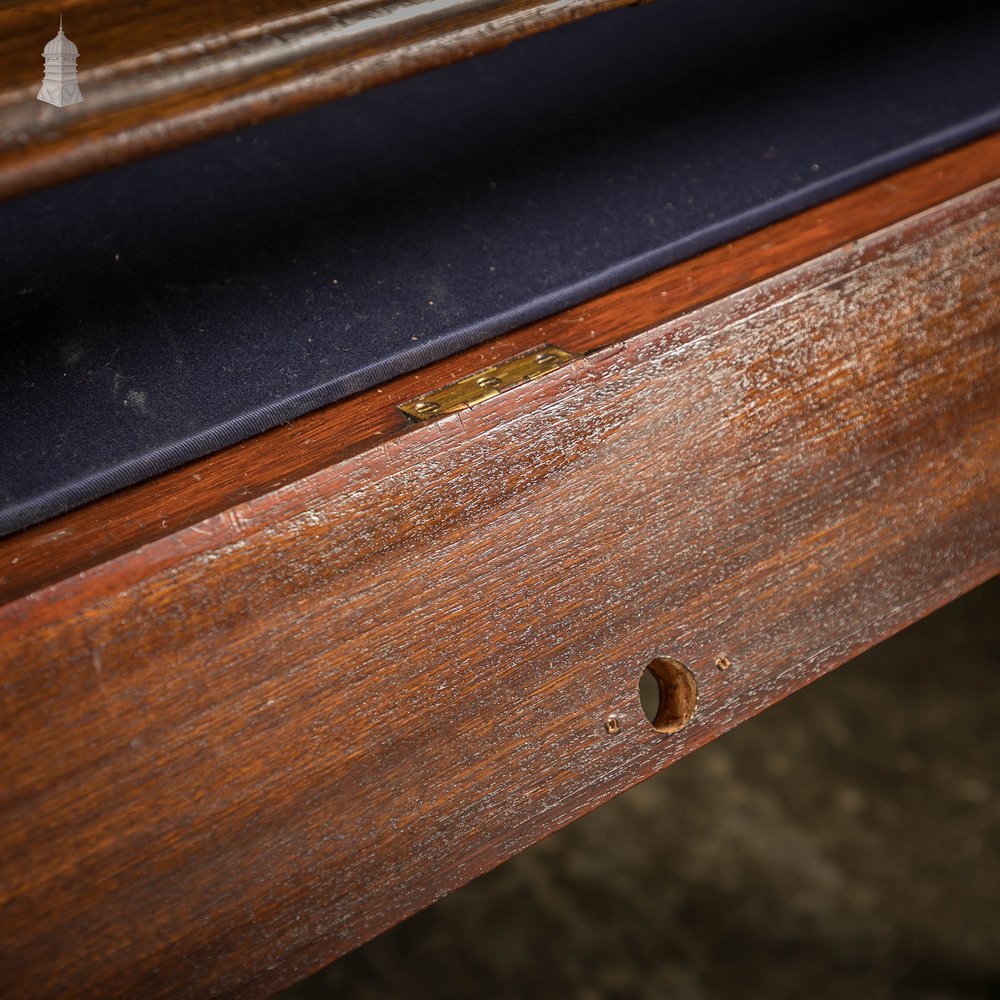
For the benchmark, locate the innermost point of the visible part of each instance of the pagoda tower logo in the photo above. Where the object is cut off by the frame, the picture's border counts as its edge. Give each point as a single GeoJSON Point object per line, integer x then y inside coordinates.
{"type": "Point", "coordinates": [60, 87]}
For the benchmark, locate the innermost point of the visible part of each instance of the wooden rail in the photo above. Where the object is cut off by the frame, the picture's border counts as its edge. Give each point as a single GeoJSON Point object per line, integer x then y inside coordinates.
{"type": "Point", "coordinates": [161, 74]}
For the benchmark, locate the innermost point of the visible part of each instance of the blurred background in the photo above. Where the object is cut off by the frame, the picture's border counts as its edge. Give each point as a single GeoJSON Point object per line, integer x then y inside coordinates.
{"type": "Point", "coordinates": [844, 844]}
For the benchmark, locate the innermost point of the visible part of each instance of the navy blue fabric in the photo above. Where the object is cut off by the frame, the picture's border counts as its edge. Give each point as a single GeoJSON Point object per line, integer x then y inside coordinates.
{"type": "Point", "coordinates": [163, 310]}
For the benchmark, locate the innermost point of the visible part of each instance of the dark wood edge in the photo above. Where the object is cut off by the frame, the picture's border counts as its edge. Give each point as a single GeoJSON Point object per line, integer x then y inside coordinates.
{"type": "Point", "coordinates": [134, 517]}
{"type": "Point", "coordinates": [168, 74]}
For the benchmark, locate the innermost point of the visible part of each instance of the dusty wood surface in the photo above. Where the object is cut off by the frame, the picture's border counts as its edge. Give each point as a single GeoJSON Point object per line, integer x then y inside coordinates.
{"type": "Point", "coordinates": [99, 531]}
{"type": "Point", "coordinates": [246, 747]}
{"type": "Point", "coordinates": [161, 74]}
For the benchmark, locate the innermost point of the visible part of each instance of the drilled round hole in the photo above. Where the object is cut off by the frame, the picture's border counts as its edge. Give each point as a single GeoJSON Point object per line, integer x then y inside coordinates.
{"type": "Point", "coordinates": [668, 693]}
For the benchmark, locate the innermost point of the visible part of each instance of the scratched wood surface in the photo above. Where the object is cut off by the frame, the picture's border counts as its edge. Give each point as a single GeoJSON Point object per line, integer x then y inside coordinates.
{"type": "Point", "coordinates": [163, 505]}
{"type": "Point", "coordinates": [163, 73]}
{"type": "Point", "coordinates": [246, 747]}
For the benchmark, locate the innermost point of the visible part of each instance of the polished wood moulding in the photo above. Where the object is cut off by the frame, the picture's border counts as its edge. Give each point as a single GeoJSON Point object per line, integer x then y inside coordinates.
{"type": "Point", "coordinates": [245, 747]}
{"type": "Point", "coordinates": [164, 73]}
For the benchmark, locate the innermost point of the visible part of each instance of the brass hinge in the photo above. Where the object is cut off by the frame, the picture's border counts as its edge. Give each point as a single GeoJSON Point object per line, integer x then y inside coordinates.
{"type": "Point", "coordinates": [473, 389]}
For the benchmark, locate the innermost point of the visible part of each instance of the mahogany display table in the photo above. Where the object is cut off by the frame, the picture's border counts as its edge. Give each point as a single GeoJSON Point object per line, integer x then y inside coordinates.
{"type": "Point", "coordinates": [332, 563]}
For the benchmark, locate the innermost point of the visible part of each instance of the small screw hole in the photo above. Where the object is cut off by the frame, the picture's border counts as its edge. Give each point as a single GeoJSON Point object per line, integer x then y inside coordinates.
{"type": "Point", "coordinates": [668, 694]}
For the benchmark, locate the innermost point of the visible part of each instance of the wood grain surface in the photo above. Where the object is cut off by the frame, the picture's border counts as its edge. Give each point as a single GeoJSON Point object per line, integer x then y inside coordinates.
{"type": "Point", "coordinates": [248, 746]}
{"type": "Point", "coordinates": [160, 506]}
{"type": "Point", "coordinates": [163, 73]}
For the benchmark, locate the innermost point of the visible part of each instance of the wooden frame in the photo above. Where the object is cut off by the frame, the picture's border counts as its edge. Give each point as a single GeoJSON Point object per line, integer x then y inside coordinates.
{"type": "Point", "coordinates": [358, 660]}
